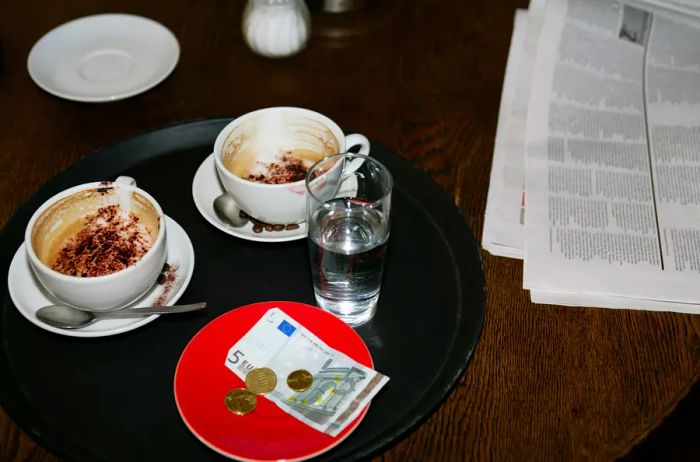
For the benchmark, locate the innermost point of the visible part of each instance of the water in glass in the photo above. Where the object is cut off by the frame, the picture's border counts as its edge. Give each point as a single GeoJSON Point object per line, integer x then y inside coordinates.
{"type": "Point", "coordinates": [347, 247]}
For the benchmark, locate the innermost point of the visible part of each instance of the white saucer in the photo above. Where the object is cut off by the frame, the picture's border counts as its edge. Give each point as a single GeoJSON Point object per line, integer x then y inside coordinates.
{"type": "Point", "coordinates": [103, 58]}
{"type": "Point", "coordinates": [206, 187]}
{"type": "Point", "coordinates": [28, 295]}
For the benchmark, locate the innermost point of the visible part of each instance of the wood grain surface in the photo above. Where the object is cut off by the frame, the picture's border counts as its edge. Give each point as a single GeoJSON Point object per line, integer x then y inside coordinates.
{"type": "Point", "coordinates": [423, 77]}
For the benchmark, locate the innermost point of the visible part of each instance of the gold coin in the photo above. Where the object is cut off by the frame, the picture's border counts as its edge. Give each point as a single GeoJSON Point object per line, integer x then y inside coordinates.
{"type": "Point", "coordinates": [261, 380]}
{"type": "Point", "coordinates": [240, 401]}
{"type": "Point", "coordinates": [300, 380]}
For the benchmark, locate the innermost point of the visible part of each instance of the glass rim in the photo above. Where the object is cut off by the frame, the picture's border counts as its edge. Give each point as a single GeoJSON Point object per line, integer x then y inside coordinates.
{"type": "Point", "coordinates": [344, 155]}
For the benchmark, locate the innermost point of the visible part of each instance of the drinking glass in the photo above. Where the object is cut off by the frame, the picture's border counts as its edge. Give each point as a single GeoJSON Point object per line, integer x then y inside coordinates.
{"type": "Point", "coordinates": [348, 203]}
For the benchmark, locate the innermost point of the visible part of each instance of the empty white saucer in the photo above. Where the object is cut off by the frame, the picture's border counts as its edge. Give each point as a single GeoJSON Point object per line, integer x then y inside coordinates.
{"type": "Point", "coordinates": [206, 187]}
{"type": "Point", "coordinates": [103, 58]}
{"type": "Point", "coordinates": [29, 295]}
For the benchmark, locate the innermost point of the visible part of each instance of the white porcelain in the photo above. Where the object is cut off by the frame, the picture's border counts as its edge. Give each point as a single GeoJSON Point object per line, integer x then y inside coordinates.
{"type": "Point", "coordinates": [28, 295]}
{"type": "Point", "coordinates": [105, 57]}
{"type": "Point", "coordinates": [206, 187]}
{"type": "Point", "coordinates": [276, 28]}
{"type": "Point", "coordinates": [275, 129]}
{"type": "Point", "coordinates": [111, 291]}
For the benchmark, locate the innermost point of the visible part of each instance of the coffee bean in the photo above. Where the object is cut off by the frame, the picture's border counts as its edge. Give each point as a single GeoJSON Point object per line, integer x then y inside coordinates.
{"type": "Point", "coordinates": [269, 227]}
{"type": "Point", "coordinates": [292, 226]}
{"type": "Point", "coordinates": [278, 227]}
{"type": "Point", "coordinates": [166, 267]}
{"type": "Point", "coordinates": [257, 228]}
{"type": "Point", "coordinates": [161, 278]}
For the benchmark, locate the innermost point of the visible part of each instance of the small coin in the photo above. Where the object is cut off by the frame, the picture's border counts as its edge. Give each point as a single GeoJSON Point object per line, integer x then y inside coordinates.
{"type": "Point", "coordinates": [300, 380]}
{"type": "Point", "coordinates": [240, 401]}
{"type": "Point", "coordinates": [261, 380]}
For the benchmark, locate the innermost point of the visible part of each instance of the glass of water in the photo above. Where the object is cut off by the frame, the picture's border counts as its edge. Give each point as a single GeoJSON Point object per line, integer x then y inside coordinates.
{"type": "Point", "coordinates": [348, 203]}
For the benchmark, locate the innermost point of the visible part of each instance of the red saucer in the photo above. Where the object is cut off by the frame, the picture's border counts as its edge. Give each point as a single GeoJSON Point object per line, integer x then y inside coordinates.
{"type": "Point", "coordinates": [267, 433]}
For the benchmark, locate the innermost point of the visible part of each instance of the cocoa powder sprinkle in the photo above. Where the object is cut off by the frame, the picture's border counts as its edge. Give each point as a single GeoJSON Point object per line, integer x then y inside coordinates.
{"type": "Point", "coordinates": [110, 240]}
{"type": "Point", "coordinates": [288, 170]}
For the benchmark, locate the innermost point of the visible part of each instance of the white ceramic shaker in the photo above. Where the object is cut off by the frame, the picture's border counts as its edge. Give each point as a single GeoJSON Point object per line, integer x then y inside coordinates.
{"type": "Point", "coordinates": [276, 28]}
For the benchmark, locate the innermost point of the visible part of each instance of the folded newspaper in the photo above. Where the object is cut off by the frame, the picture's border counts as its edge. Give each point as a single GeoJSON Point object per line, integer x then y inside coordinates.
{"type": "Point", "coordinates": [595, 180]}
{"type": "Point", "coordinates": [341, 387]}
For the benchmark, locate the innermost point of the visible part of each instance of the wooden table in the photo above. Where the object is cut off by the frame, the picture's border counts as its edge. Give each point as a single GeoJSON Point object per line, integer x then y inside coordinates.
{"type": "Point", "coordinates": [424, 78]}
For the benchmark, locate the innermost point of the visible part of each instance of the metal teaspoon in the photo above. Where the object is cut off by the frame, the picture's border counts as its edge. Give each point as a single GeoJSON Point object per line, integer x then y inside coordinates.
{"type": "Point", "coordinates": [67, 317]}
{"type": "Point", "coordinates": [228, 211]}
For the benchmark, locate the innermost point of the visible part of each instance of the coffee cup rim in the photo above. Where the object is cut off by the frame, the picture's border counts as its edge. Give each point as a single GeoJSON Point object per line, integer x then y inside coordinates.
{"type": "Point", "coordinates": [35, 260]}
{"type": "Point", "coordinates": [223, 134]}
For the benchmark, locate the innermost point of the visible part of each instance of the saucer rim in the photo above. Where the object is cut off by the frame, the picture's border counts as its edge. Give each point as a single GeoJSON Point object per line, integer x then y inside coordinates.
{"type": "Point", "coordinates": [143, 87]}
{"type": "Point", "coordinates": [199, 177]}
{"type": "Point", "coordinates": [171, 224]}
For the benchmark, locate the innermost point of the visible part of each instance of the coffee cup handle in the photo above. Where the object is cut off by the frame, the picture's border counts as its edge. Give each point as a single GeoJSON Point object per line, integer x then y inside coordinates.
{"type": "Point", "coordinates": [127, 180]}
{"type": "Point", "coordinates": [355, 139]}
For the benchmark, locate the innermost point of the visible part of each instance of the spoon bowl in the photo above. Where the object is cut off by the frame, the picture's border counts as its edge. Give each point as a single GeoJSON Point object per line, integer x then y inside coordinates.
{"type": "Point", "coordinates": [68, 317]}
{"type": "Point", "coordinates": [228, 211]}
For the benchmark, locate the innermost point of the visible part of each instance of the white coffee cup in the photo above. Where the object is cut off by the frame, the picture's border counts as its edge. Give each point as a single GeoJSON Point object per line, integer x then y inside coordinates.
{"type": "Point", "coordinates": [104, 292]}
{"type": "Point", "coordinates": [256, 138]}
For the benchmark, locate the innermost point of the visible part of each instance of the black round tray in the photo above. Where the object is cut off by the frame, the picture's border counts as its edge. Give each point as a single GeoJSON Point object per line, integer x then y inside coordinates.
{"type": "Point", "coordinates": [111, 398]}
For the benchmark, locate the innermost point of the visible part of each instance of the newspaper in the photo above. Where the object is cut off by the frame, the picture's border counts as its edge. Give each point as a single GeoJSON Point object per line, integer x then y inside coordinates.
{"type": "Point", "coordinates": [612, 155]}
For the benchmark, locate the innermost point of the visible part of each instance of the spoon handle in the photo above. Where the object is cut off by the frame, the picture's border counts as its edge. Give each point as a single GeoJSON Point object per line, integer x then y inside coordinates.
{"type": "Point", "coordinates": [146, 310]}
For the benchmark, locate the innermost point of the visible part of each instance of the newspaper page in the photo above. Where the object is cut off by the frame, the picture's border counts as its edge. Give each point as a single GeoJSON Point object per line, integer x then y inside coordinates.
{"type": "Point", "coordinates": [613, 155]}
{"type": "Point", "coordinates": [504, 226]}
{"type": "Point", "coordinates": [553, 297]}
{"type": "Point", "coordinates": [502, 233]}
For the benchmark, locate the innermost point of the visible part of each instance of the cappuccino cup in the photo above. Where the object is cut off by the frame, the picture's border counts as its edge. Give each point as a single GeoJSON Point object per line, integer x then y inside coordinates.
{"type": "Point", "coordinates": [98, 246]}
{"type": "Point", "coordinates": [262, 158]}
